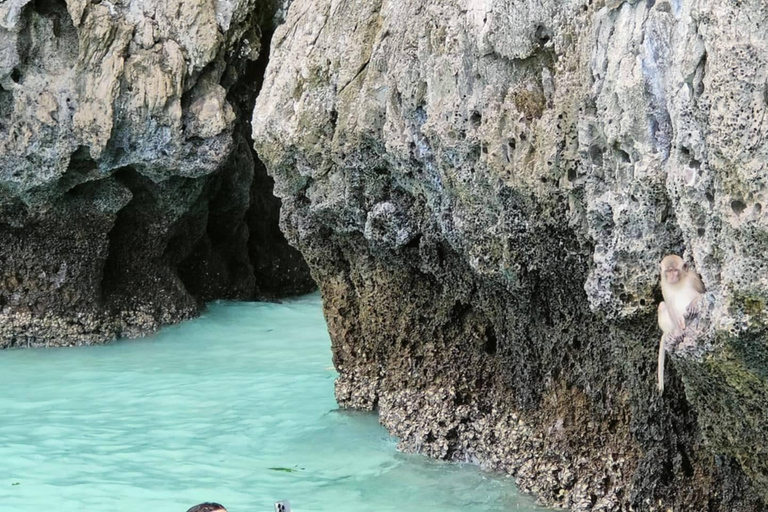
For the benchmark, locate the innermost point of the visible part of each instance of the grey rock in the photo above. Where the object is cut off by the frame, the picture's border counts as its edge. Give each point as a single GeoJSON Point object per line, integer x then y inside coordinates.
{"type": "Point", "coordinates": [125, 170]}
{"type": "Point", "coordinates": [539, 158]}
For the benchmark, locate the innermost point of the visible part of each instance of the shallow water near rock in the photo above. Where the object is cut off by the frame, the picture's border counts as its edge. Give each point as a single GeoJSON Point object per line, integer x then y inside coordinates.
{"type": "Point", "coordinates": [236, 406]}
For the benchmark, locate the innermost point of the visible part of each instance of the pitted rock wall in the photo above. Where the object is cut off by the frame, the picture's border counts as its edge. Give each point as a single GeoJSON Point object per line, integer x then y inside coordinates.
{"type": "Point", "coordinates": [483, 191]}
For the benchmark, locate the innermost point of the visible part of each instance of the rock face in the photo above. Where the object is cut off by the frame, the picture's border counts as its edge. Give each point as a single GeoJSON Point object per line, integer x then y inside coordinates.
{"type": "Point", "coordinates": [129, 193]}
{"type": "Point", "coordinates": [483, 191]}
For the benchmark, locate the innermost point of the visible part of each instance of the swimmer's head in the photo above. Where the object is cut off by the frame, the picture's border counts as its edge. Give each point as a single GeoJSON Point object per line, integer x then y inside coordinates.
{"type": "Point", "coordinates": [208, 507]}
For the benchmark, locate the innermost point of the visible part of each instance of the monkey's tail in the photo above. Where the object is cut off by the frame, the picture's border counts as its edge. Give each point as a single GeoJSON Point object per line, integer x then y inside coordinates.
{"type": "Point", "coordinates": [660, 383]}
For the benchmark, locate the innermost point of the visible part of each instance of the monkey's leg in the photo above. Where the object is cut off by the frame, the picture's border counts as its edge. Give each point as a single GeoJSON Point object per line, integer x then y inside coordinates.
{"type": "Point", "coordinates": [678, 320]}
{"type": "Point", "coordinates": [666, 323]}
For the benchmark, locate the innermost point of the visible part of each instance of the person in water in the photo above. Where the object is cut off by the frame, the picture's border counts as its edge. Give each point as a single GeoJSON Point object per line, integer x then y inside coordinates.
{"type": "Point", "coordinates": [208, 507]}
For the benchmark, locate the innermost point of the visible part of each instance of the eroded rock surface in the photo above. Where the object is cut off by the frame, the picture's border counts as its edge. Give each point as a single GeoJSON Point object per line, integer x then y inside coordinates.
{"type": "Point", "coordinates": [483, 191]}
{"type": "Point", "coordinates": [127, 180]}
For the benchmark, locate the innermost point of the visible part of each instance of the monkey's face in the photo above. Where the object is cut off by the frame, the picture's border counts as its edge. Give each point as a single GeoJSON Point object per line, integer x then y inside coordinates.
{"type": "Point", "coordinates": [673, 274]}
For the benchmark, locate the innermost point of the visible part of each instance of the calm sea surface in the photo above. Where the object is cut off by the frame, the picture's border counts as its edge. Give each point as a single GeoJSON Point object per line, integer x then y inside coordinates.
{"type": "Point", "coordinates": [236, 406]}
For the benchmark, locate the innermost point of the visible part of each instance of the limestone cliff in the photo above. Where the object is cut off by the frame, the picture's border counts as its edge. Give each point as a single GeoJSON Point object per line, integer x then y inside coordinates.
{"type": "Point", "coordinates": [129, 193]}
{"type": "Point", "coordinates": [483, 191]}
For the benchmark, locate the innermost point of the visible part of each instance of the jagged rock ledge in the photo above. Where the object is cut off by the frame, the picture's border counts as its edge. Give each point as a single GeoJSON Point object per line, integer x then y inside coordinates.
{"type": "Point", "coordinates": [483, 191]}
{"type": "Point", "coordinates": [129, 191]}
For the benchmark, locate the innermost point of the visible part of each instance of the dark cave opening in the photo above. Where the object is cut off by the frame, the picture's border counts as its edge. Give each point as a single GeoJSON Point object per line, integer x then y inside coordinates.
{"type": "Point", "coordinates": [243, 247]}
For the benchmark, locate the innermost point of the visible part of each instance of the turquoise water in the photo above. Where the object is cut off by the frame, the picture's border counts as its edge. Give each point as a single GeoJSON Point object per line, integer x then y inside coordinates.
{"type": "Point", "coordinates": [236, 406]}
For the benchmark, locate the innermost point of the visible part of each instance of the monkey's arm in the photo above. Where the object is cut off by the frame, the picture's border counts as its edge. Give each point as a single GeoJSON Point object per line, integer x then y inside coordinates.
{"type": "Point", "coordinates": [692, 310]}
{"type": "Point", "coordinates": [698, 287]}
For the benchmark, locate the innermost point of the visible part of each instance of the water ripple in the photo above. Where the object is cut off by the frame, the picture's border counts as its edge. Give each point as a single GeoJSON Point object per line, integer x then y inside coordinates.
{"type": "Point", "coordinates": [236, 406]}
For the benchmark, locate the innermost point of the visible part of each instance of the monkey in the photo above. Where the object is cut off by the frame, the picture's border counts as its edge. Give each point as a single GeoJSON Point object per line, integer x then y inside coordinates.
{"type": "Point", "coordinates": [680, 287]}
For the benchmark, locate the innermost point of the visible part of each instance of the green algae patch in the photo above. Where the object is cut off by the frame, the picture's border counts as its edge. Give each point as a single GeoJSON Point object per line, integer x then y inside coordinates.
{"type": "Point", "coordinates": [729, 388]}
{"type": "Point", "coordinates": [286, 470]}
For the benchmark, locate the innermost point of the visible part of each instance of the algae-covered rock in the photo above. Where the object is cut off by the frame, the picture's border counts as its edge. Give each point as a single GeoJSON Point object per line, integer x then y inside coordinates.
{"type": "Point", "coordinates": [483, 191]}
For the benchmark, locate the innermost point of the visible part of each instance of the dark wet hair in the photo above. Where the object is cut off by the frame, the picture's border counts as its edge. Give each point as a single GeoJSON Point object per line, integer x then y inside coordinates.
{"type": "Point", "coordinates": [207, 507]}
